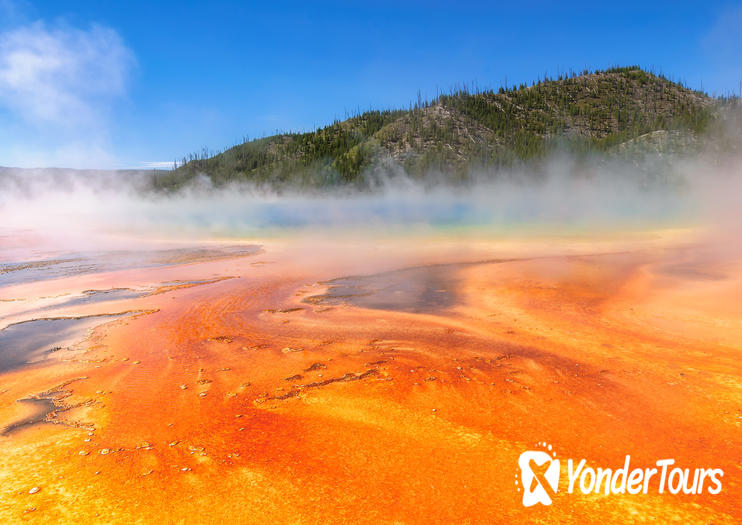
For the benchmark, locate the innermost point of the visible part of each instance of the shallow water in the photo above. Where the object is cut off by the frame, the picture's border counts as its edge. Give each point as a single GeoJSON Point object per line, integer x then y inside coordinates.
{"type": "Point", "coordinates": [30, 341]}
{"type": "Point", "coordinates": [53, 266]}
{"type": "Point", "coordinates": [42, 407]}
{"type": "Point", "coordinates": [420, 289]}
{"type": "Point", "coordinates": [98, 296]}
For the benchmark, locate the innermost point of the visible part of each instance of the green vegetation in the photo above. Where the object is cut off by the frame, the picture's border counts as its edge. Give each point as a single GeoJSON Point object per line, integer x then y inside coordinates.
{"type": "Point", "coordinates": [462, 131]}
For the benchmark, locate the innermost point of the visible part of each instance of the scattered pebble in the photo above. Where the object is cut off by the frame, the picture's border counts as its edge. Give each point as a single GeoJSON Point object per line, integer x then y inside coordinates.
{"type": "Point", "coordinates": [137, 362]}
{"type": "Point", "coordinates": [104, 451]}
{"type": "Point", "coordinates": [202, 394]}
{"type": "Point", "coordinates": [183, 387]}
{"type": "Point", "coordinates": [34, 490]}
{"type": "Point", "coordinates": [83, 453]}
{"type": "Point", "coordinates": [173, 443]}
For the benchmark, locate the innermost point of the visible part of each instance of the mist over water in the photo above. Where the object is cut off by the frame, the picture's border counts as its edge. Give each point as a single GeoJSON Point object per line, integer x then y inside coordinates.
{"type": "Point", "coordinates": [86, 210]}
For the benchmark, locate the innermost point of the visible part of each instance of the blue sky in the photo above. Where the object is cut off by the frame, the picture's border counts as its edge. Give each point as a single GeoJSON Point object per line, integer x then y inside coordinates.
{"type": "Point", "coordinates": [125, 84]}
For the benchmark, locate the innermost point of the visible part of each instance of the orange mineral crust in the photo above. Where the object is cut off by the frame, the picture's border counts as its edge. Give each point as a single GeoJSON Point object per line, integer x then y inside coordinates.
{"type": "Point", "coordinates": [384, 381]}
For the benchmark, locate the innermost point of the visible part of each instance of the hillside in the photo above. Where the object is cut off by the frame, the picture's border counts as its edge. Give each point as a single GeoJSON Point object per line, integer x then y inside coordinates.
{"type": "Point", "coordinates": [463, 131]}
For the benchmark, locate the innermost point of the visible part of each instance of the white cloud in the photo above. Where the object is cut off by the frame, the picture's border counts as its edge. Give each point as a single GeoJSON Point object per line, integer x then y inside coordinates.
{"type": "Point", "coordinates": [158, 165]}
{"type": "Point", "coordinates": [61, 75]}
{"type": "Point", "coordinates": [58, 85]}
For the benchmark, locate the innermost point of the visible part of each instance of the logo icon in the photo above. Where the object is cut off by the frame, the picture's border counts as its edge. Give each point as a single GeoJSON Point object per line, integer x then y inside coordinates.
{"type": "Point", "coordinates": [538, 478]}
{"type": "Point", "coordinates": [539, 475]}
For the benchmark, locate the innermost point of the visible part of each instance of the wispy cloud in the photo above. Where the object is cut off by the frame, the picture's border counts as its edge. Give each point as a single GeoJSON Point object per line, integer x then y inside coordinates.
{"type": "Point", "coordinates": [61, 75]}
{"type": "Point", "coordinates": [61, 81]}
{"type": "Point", "coordinates": [158, 165]}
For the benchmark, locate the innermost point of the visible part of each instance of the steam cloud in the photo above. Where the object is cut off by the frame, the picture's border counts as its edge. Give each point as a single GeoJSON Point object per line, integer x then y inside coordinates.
{"type": "Point", "coordinates": [563, 194]}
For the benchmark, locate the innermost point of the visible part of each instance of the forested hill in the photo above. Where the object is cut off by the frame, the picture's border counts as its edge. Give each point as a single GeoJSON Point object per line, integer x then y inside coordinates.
{"type": "Point", "coordinates": [464, 131]}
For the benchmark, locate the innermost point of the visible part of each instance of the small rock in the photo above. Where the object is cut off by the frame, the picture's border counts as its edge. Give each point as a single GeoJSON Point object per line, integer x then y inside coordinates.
{"type": "Point", "coordinates": [34, 490]}
{"type": "Point", "coordinates": [83, 453]}
{"type": "Point", "coordinates": [183, 387]}
{"type": "Point", "coordinates": [104, 451]}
